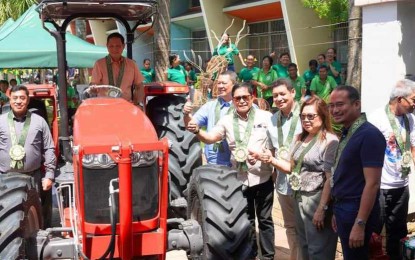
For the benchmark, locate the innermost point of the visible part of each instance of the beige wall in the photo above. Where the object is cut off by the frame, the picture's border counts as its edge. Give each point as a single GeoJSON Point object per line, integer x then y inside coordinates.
{"type": "Point", "coordinates": [304, 44]}
{"type": "Point", "coordinates": [370, 2]}
{"type": "Point", "coordinates": [99, 29]}
{"type": "Point", "coordinates": [217, 21]}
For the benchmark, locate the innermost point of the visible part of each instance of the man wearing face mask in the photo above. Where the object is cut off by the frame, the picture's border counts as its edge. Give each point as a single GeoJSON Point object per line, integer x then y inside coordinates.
{"type": "Point", "coordinates": [396, 122]}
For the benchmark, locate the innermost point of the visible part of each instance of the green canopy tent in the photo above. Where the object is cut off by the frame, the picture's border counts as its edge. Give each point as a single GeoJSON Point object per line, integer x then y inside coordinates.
{"type": "Point", "coordinates": [26, 44]}
{"type": "Point", "coordinates": [6, 24]}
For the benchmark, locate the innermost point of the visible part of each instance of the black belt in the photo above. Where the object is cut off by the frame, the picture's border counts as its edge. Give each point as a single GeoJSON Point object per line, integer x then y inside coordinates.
{"type": "Point", "coordinates": [339, 200]}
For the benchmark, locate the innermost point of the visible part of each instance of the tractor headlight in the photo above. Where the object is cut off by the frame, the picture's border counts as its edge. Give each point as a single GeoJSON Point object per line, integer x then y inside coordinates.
{"type": "Point", "coordinates": [97, 161]}
{"type": "Point", "coordinates": [143, 158]}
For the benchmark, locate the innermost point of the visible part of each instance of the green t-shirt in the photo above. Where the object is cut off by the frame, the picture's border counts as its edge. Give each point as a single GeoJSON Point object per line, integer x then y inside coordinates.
{"type": "Point", "coordinates": [177, 74]}
{"type": "Point", "coordinates": [308, 76]}
{"type": "Point", "coordinates": [281, 70]}
{"type": "Point", "coordinates": [323, 88]}
{"type": "Point", "coordinates": [192, 75]}
{"type": "Point", "coordinates": [71, 96]}
{"type": "Point", "coordinates": [148, 74]}
{"type": "Point", "coordinates": [267, 79]}
{"type": "Point", "coordinates": [230, 51]}
{"type": "Point", "coordinates": [299, 85]}
{"type": "Point", "coordinates": [338, 67]}
{"type": "Point", "coordinates": [246, 75]}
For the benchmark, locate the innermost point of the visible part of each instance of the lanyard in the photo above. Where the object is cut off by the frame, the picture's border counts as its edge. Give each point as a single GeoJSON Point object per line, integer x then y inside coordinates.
{"type": "Point", "coordinates": [293, 126]}
{"type": "Point", "coordinates": [405, 147]}
{"type": "Point", "coordinates": [217, 111]}
{"type": "Point", "coordinates": [238, 141]}
{"type": "Point", "coordinates": [17, 152]}
{"type": "Point", "coordinates": [359, 122]}
{"type": "Point", "coordinates": [111, 74]}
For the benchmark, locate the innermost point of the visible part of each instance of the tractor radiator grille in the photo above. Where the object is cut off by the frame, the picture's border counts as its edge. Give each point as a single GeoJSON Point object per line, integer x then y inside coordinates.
{"type": "Point", "coordinates": [145, 193]}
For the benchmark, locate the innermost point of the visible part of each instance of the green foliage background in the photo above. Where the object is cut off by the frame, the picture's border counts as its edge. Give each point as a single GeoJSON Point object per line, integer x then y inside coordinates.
{"type": "Point", "coordinates": [335, 11]}
{"type": "Point", "coordinates": [14, 8]}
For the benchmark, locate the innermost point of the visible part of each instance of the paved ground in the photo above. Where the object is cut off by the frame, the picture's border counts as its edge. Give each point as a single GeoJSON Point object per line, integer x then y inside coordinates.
{"type": "Point", "coordinates": [281, 253]}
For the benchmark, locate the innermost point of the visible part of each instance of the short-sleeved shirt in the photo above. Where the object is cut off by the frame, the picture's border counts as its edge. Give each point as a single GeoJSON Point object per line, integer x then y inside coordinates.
{"type": "Point", "coordinates": [282, 186]}
{"type": "Point", "coordinates": [317, 162]}
{"type": "Point", "coordinates": [148, 74]}
{"type": "Point", "coordinates": [132, 76]}
{"type": "Point", "coordinates": [391, 171]}
{"type": "Point", "coordinates": [299, 85]}
{"type": "Point", "coordinates": [228, 51]}
{"type": "Point", "coordinates": [281, 70]}
{"type": "Point", "coordinates": [366, 148]}
{"type": "Point", "coordinates": [205, 116]}
{"type": "Point", "coordinates": [246, 75]}
{"type": "Point", "coordinates": [38, 146]}
{"type": "Point", "coordinates": [308, 76]}
{"type": "Point", "coordinates": [267, 78]}
{"type": "Point", "coordinates": [177, 74]}
{"type": "Point", "coordinates": [259, 172]}
{"type": "Point", "coordinates": [323, 88]}
{"type": "Point", "coordinates": [71, 97]}
{"type": "Point", "coordinates": [338, 67]}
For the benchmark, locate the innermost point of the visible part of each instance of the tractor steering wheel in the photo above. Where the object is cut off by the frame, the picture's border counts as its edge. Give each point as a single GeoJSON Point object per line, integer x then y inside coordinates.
{"type": "Point", "coordinates": [101, 91]}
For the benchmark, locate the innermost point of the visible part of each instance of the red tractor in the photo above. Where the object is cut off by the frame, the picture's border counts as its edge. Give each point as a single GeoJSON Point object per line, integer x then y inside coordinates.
{"type": "Point", "coordinates": [131, 187]}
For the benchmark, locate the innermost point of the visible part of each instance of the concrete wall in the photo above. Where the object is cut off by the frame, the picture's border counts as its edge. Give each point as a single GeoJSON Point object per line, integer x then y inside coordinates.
{"type": "Point", "coordinates": [180, 39]}
{"type": "Point", "coordinates": [304, 44]}
{"type": "Point", "coordinates": [387, 55]}
{"type": "Point", "coordinates": [218, 21]}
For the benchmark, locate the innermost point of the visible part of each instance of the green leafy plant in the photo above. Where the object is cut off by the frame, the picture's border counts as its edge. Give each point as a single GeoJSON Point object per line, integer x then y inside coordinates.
{"type": "Point", "coordinates": [13, 9]}
{"type": "Point", "coordinates": [335, 11]}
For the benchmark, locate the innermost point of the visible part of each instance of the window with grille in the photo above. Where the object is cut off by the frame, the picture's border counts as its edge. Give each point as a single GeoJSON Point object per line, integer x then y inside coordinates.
{"type": "Point", "coordinates": [341, 37]}
{"type": "Point", "coordinates": [200, 44]}
{"type": "Point", "coordinates": [266, 37]}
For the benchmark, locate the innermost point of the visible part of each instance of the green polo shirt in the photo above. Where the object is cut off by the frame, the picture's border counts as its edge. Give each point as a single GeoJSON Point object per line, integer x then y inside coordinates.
{"type": "Point", "coordinates": [230, 51]}
{"type": "Point", "coordinates": [282, 71]}
{"type": "Point", "coordinates": [177, 74]}
{"type": "Point", "coordinates": [323, 88]}
{"type": "Point", "coordinates": [246, 75]}
{"type": "Point", "coordinates": [148, 74]}
{"type": "Point", "coordinates": [337, 66]}
{"type": "Point", "coordinates": [299, 85]}
{"type": "Point", "coordinates": [308, 75]}
{"type": "Point", "coordinates": [267, 79]}
{"type": "Point", "coordinates": [71, 96]}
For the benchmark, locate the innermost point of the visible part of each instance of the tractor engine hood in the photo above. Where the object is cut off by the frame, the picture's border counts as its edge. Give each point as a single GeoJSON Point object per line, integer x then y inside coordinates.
{"type": "Point", "coordinates": [111, 121]}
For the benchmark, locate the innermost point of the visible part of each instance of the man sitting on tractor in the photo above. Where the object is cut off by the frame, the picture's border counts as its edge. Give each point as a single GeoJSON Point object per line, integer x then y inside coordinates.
{"type": "Point", "coordinates": [26, 142]}
{"type": "Point", "coordinates": [119, 71]}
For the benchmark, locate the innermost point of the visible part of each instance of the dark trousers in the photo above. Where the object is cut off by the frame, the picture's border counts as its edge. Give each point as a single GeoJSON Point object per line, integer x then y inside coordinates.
{"type": "Point", "coordinates": [345, 212]}
{"type": "Point", "coordinates": [393, 214]}
{"type": "Point", "coordinates": [260, 199]}
{"type": "Point", "coordinates": [46, 200]}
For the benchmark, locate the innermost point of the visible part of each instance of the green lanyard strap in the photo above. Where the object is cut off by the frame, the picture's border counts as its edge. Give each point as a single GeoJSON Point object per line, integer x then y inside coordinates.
{"type": "Point", "coordinates": [359, 122]}
{"type": "Point", "coordinates": [242, 145]}
{"type": "Point", "coordinates": [405, 147]}
{"type": "Point", "coordinates": [17, 152]}
{"type": "Point", "coordinates": [293, 126]}
{"type": "Point", "coordinates": [111, 74]}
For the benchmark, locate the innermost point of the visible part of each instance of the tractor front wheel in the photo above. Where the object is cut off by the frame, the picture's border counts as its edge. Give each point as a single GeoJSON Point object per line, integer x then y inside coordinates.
{"type": "Point", "coordinates": [216, 201]}
{"type": "Point", "coordinates": [20, 216]}
{"type": "Point", "coordinates": [166, 114]}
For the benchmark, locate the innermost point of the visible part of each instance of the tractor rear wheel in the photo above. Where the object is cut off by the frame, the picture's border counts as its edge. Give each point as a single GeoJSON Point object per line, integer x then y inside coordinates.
{"type": "Point", "coordinates": [20, 216]}
{"type": "Point", "coordinates": [217, 203]}
{"type": "Point", "coordinates": [165, 112]}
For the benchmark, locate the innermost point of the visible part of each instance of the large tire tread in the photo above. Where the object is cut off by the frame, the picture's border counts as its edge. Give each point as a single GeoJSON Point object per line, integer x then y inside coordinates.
{"type": "Point", "coordinates": [17, 195]}
{"type": "Point", "coordinates": [165, 112]}
{"type": "Point", "coordinates": [225, 225]}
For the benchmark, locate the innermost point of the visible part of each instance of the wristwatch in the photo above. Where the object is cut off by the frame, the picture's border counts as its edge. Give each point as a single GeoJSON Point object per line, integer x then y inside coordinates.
{"type": "Point", "coordinates": [360, 222]}
{"type": "Point", "coordinates": [325, 207]}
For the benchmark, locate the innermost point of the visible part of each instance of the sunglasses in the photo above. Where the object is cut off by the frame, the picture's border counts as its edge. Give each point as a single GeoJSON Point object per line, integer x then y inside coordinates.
{"type": "Point", "coordinates": [239, 98]}
{"type": "Point", "coordinates": [308, 116]}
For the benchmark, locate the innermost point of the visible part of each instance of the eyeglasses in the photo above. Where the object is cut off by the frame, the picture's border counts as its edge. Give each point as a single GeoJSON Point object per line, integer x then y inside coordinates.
{"type": "Point", "coordinates": [308, 116]}
{"type": "Point", "coordinates": [412, 100]}
{"type": "Point", "coordinates": [239, 98]}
